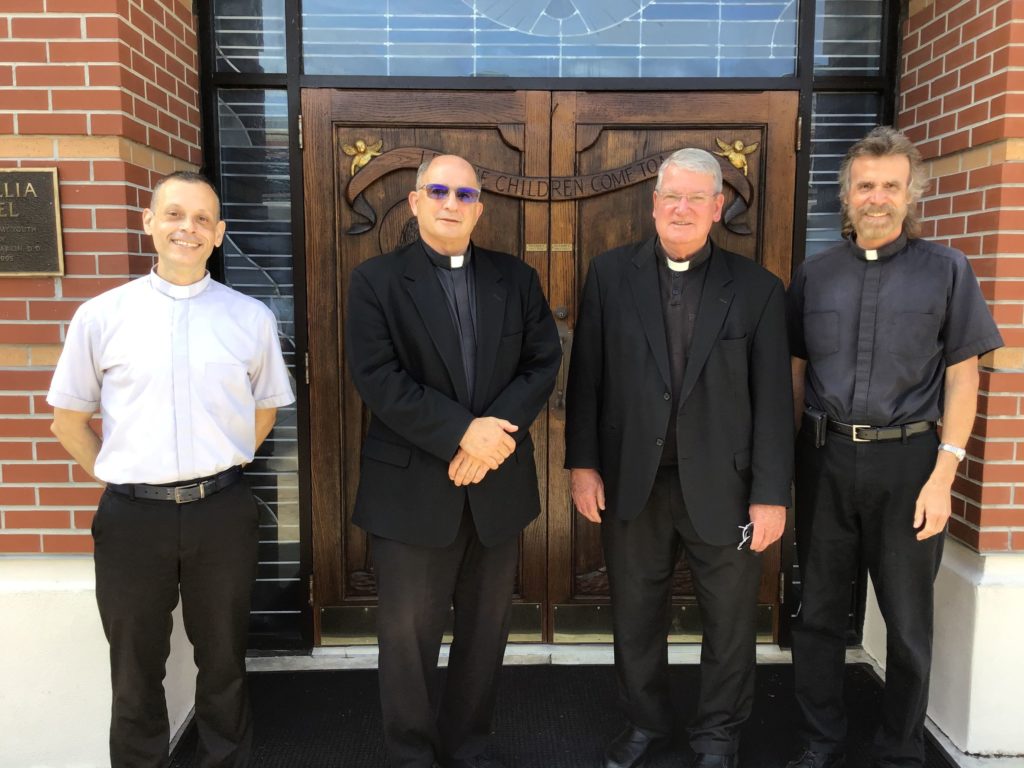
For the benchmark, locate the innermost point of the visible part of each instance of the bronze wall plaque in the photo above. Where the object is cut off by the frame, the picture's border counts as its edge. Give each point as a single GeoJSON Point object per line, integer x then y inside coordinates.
{"type": "Point", "coordinates": [30, 231]}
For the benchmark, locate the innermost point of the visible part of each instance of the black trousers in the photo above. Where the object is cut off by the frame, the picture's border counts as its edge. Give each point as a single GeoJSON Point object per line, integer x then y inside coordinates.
{"type": "Point", "coordinates": [641, 555]}
{"type": "Point", "coordinates": [416, 586]}
{"type": "Point", "coordinates": [853, 501]}
{"type": "Point", "coordinates": [146, 552]}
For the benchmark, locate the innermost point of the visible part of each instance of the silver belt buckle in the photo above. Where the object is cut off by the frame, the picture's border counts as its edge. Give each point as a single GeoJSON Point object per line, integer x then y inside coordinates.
{"type": "Point", "coordinates": [177, 493]}
{"type": "Point", "coordinates": [853, 433]}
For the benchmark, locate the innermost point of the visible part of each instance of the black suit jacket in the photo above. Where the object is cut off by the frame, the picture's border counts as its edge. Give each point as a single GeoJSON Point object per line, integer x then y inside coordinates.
{"type": "Point", "coordinates": [734, 429]}
{"type": "Point", "coordinates": [404, 355]}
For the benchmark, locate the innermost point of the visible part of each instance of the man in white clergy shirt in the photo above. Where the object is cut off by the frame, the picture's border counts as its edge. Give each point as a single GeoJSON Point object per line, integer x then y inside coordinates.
{"type": "Point", "coordinates": [188, 376]}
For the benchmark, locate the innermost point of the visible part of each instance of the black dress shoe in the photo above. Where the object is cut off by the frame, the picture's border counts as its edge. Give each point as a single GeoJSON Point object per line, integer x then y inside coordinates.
{"type": "Point", "coordinates": [811, 759]}
{"type": "Point", "coordinates": [704, 760]}
{"type": "Point", "coordinates": [631, 748]}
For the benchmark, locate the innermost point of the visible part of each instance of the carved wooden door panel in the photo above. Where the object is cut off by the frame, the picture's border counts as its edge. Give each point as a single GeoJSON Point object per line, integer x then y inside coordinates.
{"type": "Point", "coordinates": [611, 145]}
{"type": "Point", "coordinates": [566, 176]}
{"type": "Point", "coordinates": [361, 152]}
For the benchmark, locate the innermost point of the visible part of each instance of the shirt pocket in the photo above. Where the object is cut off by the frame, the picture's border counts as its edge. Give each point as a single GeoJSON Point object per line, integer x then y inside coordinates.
{"type": "Point", "coordinates": [227, 391]}
{"type": "Point", "coordinates": [821, 334]}
{"type": "Point", "coordinates": [913, 334]}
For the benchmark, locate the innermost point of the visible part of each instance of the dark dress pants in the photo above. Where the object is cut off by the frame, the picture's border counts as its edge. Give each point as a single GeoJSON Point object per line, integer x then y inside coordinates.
{"type": "Point", "coordinates": [146, 551]}
{"type": "Point", "coordinates": [416, 586]}
{"type": "Point", "coordinates": [853, 501]}
{"type": "Point", "coordinates": [641, 556]}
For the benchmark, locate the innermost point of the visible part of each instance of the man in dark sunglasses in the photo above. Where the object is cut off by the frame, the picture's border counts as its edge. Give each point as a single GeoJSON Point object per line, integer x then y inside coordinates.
{"type": "Point", "coordinates": [454, 351]}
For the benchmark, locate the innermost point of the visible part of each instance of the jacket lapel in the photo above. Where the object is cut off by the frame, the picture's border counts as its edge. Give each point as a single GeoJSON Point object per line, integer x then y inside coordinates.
{"type": "Point", "coordinates": [430, 301]}
{"type": "Point", "coordinates": [714, 306]}
{"type": "Point", "coordinates": [490, 317]}
{"type": "Point", "coordinates": [643, 281]}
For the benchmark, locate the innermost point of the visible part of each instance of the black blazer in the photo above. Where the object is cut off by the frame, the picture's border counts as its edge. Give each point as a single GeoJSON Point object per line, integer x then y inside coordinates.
{"type": "Point", "coordinates": [404, 355]}
{"type": "Point", "coordinates": [734, 428]}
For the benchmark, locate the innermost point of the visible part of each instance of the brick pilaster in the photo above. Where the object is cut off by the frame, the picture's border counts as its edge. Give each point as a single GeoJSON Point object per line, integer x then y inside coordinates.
{"type": "Point", "coordinates": [963, 104]}
{"type": "Point", "coordinates": [107, 92]}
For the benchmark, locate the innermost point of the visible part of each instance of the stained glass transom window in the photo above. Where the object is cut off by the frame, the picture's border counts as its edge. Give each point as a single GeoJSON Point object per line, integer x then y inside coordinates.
{"type": "Point", "coordinates": [550, 38]}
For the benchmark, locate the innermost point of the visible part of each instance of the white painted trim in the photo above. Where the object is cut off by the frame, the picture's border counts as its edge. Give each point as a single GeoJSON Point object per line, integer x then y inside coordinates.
{"type": "Point", "coordinates": [55, 695]}
{"type": "Point", "coordinates": [977, 668]}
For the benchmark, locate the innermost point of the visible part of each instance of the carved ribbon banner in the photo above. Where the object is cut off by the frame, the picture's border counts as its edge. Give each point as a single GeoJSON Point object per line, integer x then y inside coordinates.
{"type": "Point", "coordinates": [537, 188]}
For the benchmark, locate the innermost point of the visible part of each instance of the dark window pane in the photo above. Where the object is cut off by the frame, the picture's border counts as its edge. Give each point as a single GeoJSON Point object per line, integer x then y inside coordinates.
{"type": "Point", "coordinates": [256, 202]}
{"type": "Point", "coordinates": [847, 37]}
{"type": "Point", "coordinates": [838, 120]}
{"type": "Point", "coordinates": [248, 35]}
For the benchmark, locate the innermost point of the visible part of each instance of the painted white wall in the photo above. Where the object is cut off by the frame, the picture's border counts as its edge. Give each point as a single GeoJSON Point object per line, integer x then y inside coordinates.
{"type": "Point", "coordinates": [55, 669]}
{"type": "Point", "coordinates": [977, 663]}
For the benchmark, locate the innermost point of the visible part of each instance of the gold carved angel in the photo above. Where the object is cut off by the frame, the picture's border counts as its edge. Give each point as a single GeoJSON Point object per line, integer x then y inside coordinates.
{"type": "Point", "coordinates": [736, 153]}
{"type": "Point", "coordinates": [362, 153]}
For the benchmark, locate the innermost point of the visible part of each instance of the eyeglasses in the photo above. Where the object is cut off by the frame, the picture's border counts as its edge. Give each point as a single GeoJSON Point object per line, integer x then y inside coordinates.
{"type": "Point", "coordinates": [694, 200]}
{"type": "Point", "coordinates": [441, 192]}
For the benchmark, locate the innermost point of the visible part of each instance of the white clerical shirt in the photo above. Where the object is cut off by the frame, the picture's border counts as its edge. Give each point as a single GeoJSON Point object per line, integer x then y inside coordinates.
{"type": "Point", "coordinates": [177, 372]}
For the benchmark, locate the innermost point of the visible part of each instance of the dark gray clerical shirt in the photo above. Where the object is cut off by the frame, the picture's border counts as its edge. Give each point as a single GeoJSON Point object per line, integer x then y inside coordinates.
{"type": "Point", "coordinates": [879, 328]}
{"type": "Point", "coordinates": [681, 289]}
{"type": "Point", "coordinates": [455, 273]}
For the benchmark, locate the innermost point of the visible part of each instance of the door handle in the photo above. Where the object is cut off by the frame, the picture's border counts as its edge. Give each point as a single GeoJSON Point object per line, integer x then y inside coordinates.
{"type": "Point", "coordinates": [565, 340]}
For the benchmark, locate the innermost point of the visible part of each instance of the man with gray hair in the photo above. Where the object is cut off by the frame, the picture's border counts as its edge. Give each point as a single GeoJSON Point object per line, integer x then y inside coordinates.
{"type": "Point", "coordinates": [679, 440]}
{"type": "Point", "coordinates": [885, 331]}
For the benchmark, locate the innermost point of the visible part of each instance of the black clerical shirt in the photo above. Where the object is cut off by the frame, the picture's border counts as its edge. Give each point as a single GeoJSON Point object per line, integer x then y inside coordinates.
{"type": "Point", "coordinates": [879, 328]}
{"type": "Point", "coordinates": [680, 300]}
{"type": "Point", "coordinates": [459, 286]}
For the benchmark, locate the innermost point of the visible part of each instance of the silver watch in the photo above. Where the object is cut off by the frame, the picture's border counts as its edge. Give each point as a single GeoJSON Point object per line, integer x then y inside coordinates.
{"type": "Point", "coordinates": [960, 453]}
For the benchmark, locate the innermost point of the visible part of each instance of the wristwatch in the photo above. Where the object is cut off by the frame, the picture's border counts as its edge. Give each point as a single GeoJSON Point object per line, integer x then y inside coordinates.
{"type": "Point", "coordinates": [960, 453]}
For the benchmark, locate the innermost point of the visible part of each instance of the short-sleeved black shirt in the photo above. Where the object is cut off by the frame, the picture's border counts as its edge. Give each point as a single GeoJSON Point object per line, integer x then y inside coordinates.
{"type": "Point", "coordinates": [878, 334]}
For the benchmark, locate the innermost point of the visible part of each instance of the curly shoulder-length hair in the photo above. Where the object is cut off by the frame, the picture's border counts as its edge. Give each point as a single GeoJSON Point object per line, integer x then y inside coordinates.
{"type": "Point", "coordinates": [884, 141]}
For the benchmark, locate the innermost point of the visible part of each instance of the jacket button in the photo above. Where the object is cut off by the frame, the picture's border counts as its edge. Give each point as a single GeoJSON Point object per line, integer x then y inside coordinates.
{"type": "Point", "coordinates": [659, 441]}
{"type": "Point", "coordinates": [667, 396]}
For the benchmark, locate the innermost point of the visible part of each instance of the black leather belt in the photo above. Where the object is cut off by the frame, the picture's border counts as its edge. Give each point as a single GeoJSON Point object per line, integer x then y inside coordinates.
{"type": "Point", "coordinates": [864, 433]}
{"type": "Point", "coordinates": [180, 493]}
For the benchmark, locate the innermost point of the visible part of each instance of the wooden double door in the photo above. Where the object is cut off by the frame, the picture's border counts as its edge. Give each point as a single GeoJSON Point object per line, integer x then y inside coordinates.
{"type": "Point", "coordinates": [566, 175]}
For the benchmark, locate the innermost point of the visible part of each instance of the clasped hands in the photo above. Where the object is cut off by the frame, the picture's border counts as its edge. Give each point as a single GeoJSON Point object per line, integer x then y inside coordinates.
{"type": "Point", "coordinates": [486, 444]}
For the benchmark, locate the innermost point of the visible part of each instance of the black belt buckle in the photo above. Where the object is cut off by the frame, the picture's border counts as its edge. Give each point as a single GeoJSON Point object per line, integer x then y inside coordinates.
{"type": "Point", "coordinates": [818, 423]}
{"type": "Point", "coordinates": [856, 438]}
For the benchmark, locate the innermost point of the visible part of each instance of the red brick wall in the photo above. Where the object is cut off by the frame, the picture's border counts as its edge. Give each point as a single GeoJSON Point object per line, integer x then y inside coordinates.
{"type": "Point", "coordinates": [106, 91]}
{"type": "Point", "coordinates": [963, 103]}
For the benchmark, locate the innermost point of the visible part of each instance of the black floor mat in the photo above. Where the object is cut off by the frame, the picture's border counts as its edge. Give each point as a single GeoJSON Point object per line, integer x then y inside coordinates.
{"type": "Point", "coordinates": [547, 717]}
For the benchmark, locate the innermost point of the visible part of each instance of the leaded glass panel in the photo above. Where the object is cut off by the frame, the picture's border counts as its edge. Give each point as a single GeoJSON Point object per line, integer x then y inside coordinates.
{"type": "Point", "coordinates": [256, 202]}
{"type": "Point", "coordinates": [248, 36]}
{"type": "Point", "coordinates": [848, 37]}
{"type": "Point", "coordinates": [838, 120]}
{"type": "Point", "coordinates": [550, 38]}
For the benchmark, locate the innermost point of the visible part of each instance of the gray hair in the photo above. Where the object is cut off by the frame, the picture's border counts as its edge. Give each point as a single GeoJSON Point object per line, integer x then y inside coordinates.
{"type": "Point", "coordinates": [422, 171]}
{"type": "Point", "coordinates": [695, 160]}
{"type": "Point", "coordinates": [884, 141]}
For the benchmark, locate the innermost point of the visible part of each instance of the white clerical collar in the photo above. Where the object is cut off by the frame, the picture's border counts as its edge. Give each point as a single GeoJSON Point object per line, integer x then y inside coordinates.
{"type": "Point", "coordinates": [693, 261]}
{"type": "Point", "coordinates": [178, 291]}
{"type": "Point", "coordinates": [444, 261]}
{"type": "Point", "coordinates": [878, 254]}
